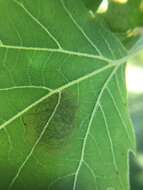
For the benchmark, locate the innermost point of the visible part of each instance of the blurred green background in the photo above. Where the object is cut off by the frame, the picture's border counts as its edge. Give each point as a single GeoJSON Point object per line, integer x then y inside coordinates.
{"type": "Point", "coordinates": [134, 78]}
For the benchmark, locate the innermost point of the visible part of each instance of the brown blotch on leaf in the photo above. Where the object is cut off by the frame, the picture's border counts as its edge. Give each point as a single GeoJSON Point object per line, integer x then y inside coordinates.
{"type": "Point", "coordinates": [61, 125]}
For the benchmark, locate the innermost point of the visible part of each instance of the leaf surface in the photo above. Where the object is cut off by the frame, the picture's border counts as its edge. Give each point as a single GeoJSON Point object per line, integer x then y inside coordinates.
{"type": "Point", "coordinates": [92, 4]}
{"type": "Point", "coordinates": [64, 121]}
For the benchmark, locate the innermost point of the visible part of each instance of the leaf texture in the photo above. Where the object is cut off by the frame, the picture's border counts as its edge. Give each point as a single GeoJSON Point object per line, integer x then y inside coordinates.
{"type": "Point", "coordinates": [64, 121]}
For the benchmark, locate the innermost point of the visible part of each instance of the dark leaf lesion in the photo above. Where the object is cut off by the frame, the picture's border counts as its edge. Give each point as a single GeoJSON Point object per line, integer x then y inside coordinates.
{"type": "Point", "coordinates": [59, 128]}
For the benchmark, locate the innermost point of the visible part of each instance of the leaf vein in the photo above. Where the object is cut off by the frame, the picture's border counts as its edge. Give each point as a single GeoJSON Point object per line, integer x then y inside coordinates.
{"type": "Point", "coordinates": [35, 144]}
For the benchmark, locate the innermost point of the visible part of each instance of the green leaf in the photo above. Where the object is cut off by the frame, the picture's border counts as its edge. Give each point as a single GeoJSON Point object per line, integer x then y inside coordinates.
{"type": "Point", "coordinates": [64, 120]}
{"type": "Point", "coordinates": [138, 46]}
{"type": "Point", "coordinates": [127, 17]}
{"type": "Point", "coordinates": [92, 4]}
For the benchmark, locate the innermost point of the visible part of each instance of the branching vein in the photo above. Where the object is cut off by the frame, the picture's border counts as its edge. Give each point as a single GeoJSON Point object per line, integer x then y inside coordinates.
{"type": "Point", "coordinates": [56, 91]}
{"type": "Point", "coordinates": [35, 144]}
{"type": "Point", "coordinates": [82, 156]}
{"type": "Point", "coordinates": [38, 22]}
{"type": "Point", "coordinates": [80, 28]}
{"type": "Point", "coordinates": [25, 87]}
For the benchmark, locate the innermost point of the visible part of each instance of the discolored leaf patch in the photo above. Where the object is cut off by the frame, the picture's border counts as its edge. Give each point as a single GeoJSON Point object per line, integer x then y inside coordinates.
{"type": "Point", "coordinates": [59, 128]}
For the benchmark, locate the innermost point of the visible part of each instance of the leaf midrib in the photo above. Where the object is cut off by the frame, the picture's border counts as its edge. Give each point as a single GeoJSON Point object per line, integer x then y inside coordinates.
{"type": "Point", "coordinates": [81, 161]}
{"type": "Point", "coordinates": [68, 52]}
{"type": "Point", "coordinates": [59, 89]}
